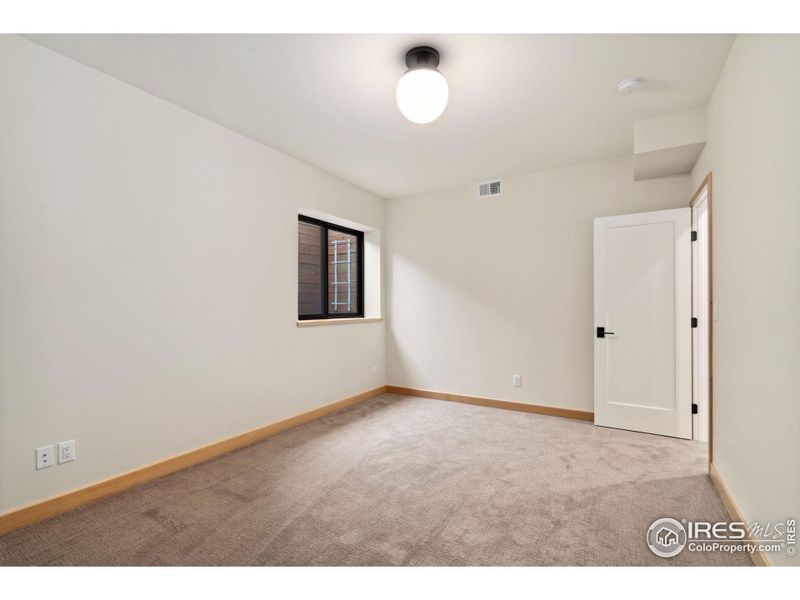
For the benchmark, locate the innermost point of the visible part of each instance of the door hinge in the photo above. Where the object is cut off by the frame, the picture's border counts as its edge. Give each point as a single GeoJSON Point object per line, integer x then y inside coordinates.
{"type": "Point", "coordinates": [694, 408]}
{"type": "Point", "coordinates": [694, 321]}
{"type": "Point", "coordinates": [694, 236]}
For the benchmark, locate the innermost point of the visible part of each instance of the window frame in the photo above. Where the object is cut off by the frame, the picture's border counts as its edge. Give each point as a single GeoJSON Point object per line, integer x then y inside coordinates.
{"type": "Point", "coordinates": [325, 227]}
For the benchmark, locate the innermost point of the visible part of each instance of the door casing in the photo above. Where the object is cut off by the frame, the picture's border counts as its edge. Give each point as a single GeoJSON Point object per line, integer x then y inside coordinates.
{"type": "Point", "coordinates": [707, 185]}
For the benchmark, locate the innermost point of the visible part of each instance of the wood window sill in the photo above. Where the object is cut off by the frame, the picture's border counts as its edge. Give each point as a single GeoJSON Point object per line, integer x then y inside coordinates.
{"type": "Point", "coordinates": [318, 322]}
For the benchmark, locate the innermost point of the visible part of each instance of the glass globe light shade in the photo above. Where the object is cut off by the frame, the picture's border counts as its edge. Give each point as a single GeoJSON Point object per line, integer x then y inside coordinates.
{"type": "Point", "coordinates": [422, 95]}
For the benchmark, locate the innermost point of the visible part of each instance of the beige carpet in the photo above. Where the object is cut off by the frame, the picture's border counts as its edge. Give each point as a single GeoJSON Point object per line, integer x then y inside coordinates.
{"type": "Point", "coordinates": [400, 481]}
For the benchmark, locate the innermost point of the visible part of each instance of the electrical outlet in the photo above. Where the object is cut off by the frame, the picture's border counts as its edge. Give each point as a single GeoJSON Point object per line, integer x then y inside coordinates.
{"type": "Point", "coordinates": [374, 369]}
{"type": "Point", "coordinates": [44, 457]}
{"type": "Point", "coordinates": [66, 451]}
{"type": "Point", "coordinates": [516, 380]}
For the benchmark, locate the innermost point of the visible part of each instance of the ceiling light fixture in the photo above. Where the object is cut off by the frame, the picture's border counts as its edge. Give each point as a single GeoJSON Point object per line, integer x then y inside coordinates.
{"type": "Point", "coordinates": [422, 91]}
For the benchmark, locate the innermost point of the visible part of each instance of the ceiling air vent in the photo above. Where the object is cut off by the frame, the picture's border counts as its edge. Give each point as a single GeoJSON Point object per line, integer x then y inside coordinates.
{"type": "Point", "coordinates": [489, 188]}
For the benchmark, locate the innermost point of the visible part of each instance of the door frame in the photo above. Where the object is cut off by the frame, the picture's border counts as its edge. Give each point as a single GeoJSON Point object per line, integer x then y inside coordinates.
{"type": "Point", "coordinates": [707, 185]}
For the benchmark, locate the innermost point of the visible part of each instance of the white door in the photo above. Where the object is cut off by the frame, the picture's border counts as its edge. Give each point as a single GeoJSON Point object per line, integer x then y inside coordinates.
{"type": "Point", "coordinates": [642, 310]}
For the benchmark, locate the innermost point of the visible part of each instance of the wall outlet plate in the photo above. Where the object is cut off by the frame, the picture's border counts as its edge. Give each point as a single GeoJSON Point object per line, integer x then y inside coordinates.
{"type": "Point", "coordinates": [45, 457]}
{"type": "Point", "coordinates": [66, 451]}
{"type": "Point", "coordinates": [516, 380]}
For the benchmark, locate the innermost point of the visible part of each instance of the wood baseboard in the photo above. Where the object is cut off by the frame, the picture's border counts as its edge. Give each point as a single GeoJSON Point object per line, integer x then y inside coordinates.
{"type": "Point", "coordinates": [59, 504]}
{"type": "Point", "coordinates": [759, 558]}
{"type": "Point", "coordinates": [551, 411]}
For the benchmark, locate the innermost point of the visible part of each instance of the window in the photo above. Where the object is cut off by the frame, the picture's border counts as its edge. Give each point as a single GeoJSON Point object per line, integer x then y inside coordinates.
{"type": "Point", "coordinates": [330, 268]}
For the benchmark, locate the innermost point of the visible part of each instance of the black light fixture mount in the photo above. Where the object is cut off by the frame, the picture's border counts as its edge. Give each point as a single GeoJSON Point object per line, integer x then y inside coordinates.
{"type": "Point", "coordinates": [422, 57]}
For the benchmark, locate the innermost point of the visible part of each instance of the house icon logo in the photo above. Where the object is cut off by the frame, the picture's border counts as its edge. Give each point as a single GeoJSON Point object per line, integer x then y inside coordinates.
{"type": "Point", "coordinates": [666, 537]}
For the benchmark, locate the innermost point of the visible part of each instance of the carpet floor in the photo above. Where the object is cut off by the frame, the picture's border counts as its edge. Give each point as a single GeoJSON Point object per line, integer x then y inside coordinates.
{"type": "Point", "coordinates": [400, 481]}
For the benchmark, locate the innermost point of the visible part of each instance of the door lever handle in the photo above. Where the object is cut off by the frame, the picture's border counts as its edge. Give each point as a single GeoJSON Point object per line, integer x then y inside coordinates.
{"type": "Point", "coordinates": [601, 332]}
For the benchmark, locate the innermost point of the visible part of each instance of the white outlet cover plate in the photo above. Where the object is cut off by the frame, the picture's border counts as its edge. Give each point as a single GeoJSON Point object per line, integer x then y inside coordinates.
{"type": "Point", "coordinates": [66, 451]}
{"type": "Point", "coordinates": [45, 457]}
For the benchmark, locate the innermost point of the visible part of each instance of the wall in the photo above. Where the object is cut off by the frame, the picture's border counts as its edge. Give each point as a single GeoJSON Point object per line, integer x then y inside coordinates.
{"type": "Point", "coordinates": [480, 289]}
{"type": "Point", "coordinates": [754, 154]}
{"type": "Point", "coordinates": [148, 261]}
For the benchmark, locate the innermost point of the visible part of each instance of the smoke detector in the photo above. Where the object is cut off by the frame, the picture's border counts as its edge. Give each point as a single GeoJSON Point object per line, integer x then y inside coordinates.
{"type": "Point", "coordinates": [628, 87]}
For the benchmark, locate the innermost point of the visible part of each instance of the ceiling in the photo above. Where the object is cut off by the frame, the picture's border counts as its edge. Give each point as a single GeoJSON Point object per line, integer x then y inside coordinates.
{"type": "Point", "coordinates": [518, 103]}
